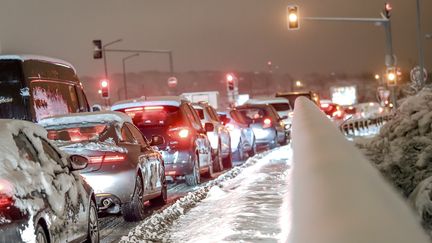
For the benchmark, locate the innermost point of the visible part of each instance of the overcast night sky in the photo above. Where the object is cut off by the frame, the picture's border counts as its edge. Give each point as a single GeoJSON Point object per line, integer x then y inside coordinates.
{"type": "Point", "coordinates": [214, 34]}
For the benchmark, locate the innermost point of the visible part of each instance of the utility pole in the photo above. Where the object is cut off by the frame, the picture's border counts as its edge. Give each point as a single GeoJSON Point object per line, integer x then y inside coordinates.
{"type": "Point", "coordinates": [420, 44]}
{"type": "Point", "coordinates": [124, 73]}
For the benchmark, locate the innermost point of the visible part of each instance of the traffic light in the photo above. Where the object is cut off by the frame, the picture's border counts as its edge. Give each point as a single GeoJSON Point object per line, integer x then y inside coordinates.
{"type": "Point", "coordinates": [104, 88]}
{"type": "Point", "coordinates": [230, 82]}
{"type": "Point", "coordinates": [391, 76]}
{"type": "Point", "coordinates": [97, 51]}
{"type": "Point", "coordinates": [387, 10]}
{"type": "Point", "coordinates": [293, 17]}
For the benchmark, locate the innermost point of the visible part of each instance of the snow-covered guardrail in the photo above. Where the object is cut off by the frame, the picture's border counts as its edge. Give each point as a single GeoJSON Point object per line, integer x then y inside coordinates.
{"type": "Point", "coordinates": [337, 195]}
{"type": "Point", "coordinates": [357, 126]}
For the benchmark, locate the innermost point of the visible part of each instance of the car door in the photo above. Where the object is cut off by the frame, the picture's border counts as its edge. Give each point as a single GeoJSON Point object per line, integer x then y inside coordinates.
{"type": "Point", "coordinates": [221, 130]}
{"type": "Point", "coordinates": [154, 167]}
{"type": "Point", "coordinates": [201, 141]}
{"type": "Point", "coordinates": [135, 156]}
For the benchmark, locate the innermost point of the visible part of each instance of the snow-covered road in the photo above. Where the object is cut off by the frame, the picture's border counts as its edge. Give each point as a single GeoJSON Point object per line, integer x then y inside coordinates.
{"type": "Point", "coordinates": [248, 203]}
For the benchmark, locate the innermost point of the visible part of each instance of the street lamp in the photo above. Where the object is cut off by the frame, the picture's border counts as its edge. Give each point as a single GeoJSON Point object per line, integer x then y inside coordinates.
{"type": "Point", "coordinates": [298, 84]}
{"type": "Point", "coordinates": [377, 76]}
{"type": "Point", "coordinates": [124, 73]}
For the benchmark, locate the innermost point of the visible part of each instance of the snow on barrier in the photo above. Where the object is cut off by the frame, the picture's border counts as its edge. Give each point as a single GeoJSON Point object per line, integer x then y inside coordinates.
{"type": "Point", "coordinates": [337, 195]}
{"type": "Point", "coordinates": [356, 126]}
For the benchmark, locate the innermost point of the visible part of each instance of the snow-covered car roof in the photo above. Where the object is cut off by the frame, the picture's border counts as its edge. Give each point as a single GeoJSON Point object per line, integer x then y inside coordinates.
{"type": "Point", "coordinates": [268, 100]}
{"type": "Point", "coordinates": [25, 57]}
{"type": "Point", "coordinates": [86, 117]}
{"type": "Point", "coordinates": [148, 101]}
{"type": "Point", "coordinates": [197, 106]}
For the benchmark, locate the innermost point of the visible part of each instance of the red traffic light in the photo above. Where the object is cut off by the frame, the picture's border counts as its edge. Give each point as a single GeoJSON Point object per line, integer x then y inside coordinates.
{"type": "Point", "coordinates": [293, 17]}
{"type": "Point", "coordinates": [387, 10]}
{"type": "Point", "coordinates": [229, 77]}
{"type": "Point", "coordinates": [104, 88]}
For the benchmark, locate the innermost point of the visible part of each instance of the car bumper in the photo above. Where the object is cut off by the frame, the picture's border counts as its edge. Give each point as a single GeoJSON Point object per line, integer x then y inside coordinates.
{"type": "Point", "coordinates": [11, 232]}
{"type": "Point", "coordinates": [117, 184]}
{"type": "Point", "coordinates": [264, 135]}
{"type": "Point", "coordinates": [177, 163]}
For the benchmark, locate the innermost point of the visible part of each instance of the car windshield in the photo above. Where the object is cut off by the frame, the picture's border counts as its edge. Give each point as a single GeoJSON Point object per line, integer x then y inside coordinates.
{"type": "Point", "coordinates": [200, 113]}
{"type": "Point", "coordinates": [77, 132]}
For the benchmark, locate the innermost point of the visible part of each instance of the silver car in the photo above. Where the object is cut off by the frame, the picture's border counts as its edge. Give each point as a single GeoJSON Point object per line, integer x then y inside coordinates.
{"type": "Point", "coordinates": [220, 139]}
{"type": "Point", "coordinates": [124, 170]}
{"type": "Point", "coordinates": [242, 136]}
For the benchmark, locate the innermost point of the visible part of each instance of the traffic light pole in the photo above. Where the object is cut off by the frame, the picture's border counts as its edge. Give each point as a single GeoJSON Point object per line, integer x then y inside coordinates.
{"type": "Point", "coordinates": [107, 101]}
{"type": "Point", "coordinates": [420, 44]}
{"type": "Point", "coordinates": [169, 52]}
{"type": "Point", "coordinates": [390, 58]}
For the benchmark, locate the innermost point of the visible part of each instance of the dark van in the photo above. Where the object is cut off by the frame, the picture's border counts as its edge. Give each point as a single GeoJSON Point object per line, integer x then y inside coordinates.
{"type": "Point", "coordinates": [35, 87]}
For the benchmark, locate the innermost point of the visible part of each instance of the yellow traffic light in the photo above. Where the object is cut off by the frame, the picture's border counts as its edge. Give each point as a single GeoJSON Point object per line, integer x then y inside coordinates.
{"type": "Point", "coordinates": [391, 76]}
{"type": "Point", "coordinates": [293, 17]}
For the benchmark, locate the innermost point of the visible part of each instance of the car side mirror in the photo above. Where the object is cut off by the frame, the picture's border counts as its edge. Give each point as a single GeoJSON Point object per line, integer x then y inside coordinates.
{"type": "Point", "coordinates": [225, 120]}
{"type": "Point", "coordinates": [209, 127]}
{"type": "Point", "coordinates": [96, 108]}
{"type": "Point", "coordinates": [78, 162]}
{"type": "Point", "coordinates": [157, 140]}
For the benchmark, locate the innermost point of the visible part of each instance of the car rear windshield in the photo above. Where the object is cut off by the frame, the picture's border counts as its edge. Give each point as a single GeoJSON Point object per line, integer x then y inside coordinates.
{"type": "Point", "coordinates": [200, 113]}
{"type": "Point", "coordinates": [163, 116]}
{"type": "Point", "coordinates": [12, 91]}
{"type": "Point", "coordinates": [253, 114]}
{"type": "Point", "coordinates": [77, 133]}
{"type": "Point", "coordinates": [281, 106]}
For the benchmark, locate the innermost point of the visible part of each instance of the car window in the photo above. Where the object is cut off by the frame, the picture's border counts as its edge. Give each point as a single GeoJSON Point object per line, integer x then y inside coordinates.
{"type": "Point", "coordinates": [138, 136]}
{"type": "Point", "coordinates": [83, 104]}
{"type": "Point", "coordinates": [213, 114]}
{"type": "Point", "coordinates": [25, 148]}
{"type": "Point", "coordinates": [193, 117]}
{"type": "Point", "coordinates": [51, 152]}
{"type": "Point", "coordinates": [127, 135]}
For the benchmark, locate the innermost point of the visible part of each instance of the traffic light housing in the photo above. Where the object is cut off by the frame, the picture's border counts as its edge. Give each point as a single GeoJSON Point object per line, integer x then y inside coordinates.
{"type": "Point", "coordinates": [230, 82]}
{"type": "Point", "coordinates": [104, 84]}
{"type": "Point", "coordinates": [387, 10]}
{"type": "Point", "coordinates": [97, 50]}
{"type": "Point", "coordinates": [293, 17]}
{"type": "Point", "coordinates": [391, 76]}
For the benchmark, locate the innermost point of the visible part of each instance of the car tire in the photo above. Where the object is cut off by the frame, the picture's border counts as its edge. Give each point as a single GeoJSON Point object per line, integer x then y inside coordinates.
{"type": "Point", "coordinates": [163, 198]}
{"type": "Point", "coordinates": [238, 155]}
{"type": "Point", "coordinates": [194, 178]}
{"type": "Point", "coordinates": [217, 161]}
{"type": "Point", "coordinates": [227, 162]}
{"type": "Point", "coordinates": [135, 209]}
{"type": "Point", "coordinates": [93, 224]}
{"type": "Point", "coordinates": [41, 235]}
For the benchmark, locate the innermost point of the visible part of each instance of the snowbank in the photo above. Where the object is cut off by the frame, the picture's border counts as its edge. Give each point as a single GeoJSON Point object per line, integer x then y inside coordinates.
{"type": "Point", "coordinates": [402, 151]}
{"type": "Point", "coordinates": [151, 229]}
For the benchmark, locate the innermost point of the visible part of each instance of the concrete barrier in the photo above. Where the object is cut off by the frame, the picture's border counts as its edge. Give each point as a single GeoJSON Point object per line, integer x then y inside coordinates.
{"type": "Point", "coordinates": [337, 195]}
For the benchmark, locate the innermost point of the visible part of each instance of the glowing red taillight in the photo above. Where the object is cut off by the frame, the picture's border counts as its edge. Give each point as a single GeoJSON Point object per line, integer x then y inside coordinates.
{"type": "Point", "coordinates": [179, 132]}
{"type": "Point", "coordinates": [183, 133]}
{"type": "Point", "coordinates": [106, 159]}
{"type": "Point", "coordinates": [6, 189]}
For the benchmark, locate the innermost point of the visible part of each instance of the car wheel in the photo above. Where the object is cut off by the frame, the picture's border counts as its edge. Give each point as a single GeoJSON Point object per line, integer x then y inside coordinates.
{"type": "Point", "coordinates": [93, 225]}
{"type": "Point", "coordinates": [162, 199]}
{"type": "Point", "coordinates": [217, 160]}
{"type": "Point", "coordinates": [238, 155]}
{"type": "Point", "coordinates": [135, 210]}
{"type": "Point", "coordinates": [194, 178]}
{"type": "Point", "coordinates": [41, 236]}
{"type": "Point", "coordinates": [227, 162]}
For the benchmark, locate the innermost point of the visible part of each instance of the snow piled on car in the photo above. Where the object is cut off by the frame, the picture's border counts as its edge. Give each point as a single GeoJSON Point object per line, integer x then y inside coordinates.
{"type": "Point", "coordinates": [402, 151]}
{"type": "Point", "coordinates": [152, 229]}
{"type": "Point", "coordinates": [106, 146]}
{"type": "Point", "coordinates": [100, 117]}
{"type": "Point", "coordinates": [28, 179]}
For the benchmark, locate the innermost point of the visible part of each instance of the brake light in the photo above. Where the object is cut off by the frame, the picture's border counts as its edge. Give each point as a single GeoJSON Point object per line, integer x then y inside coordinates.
{"type": "Point", "coordinates": [325, 105]}
{"type": "Point", "coordinates": [5, 193]}
{"type": "Point", "coordinates": [153, 108]}
{"type": "Point", "coordinates": [134, 109]}
{"type": "Point", "coordinates": [267, 123]}
{"type": "Point", "coordinates": [106, 159]}
{"type": "Point", "coordinates": [183, 133]}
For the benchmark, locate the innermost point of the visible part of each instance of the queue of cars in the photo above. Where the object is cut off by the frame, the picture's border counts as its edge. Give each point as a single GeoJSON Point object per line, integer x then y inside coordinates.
{"type": "Point", "coordinates": [58, 175]}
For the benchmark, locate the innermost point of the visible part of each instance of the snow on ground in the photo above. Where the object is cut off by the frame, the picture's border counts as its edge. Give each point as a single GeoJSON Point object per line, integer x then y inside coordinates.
{"type": "Point", "coordinates": [242, 204]}
{"type": "Point", "coordinates": [402, 151]}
